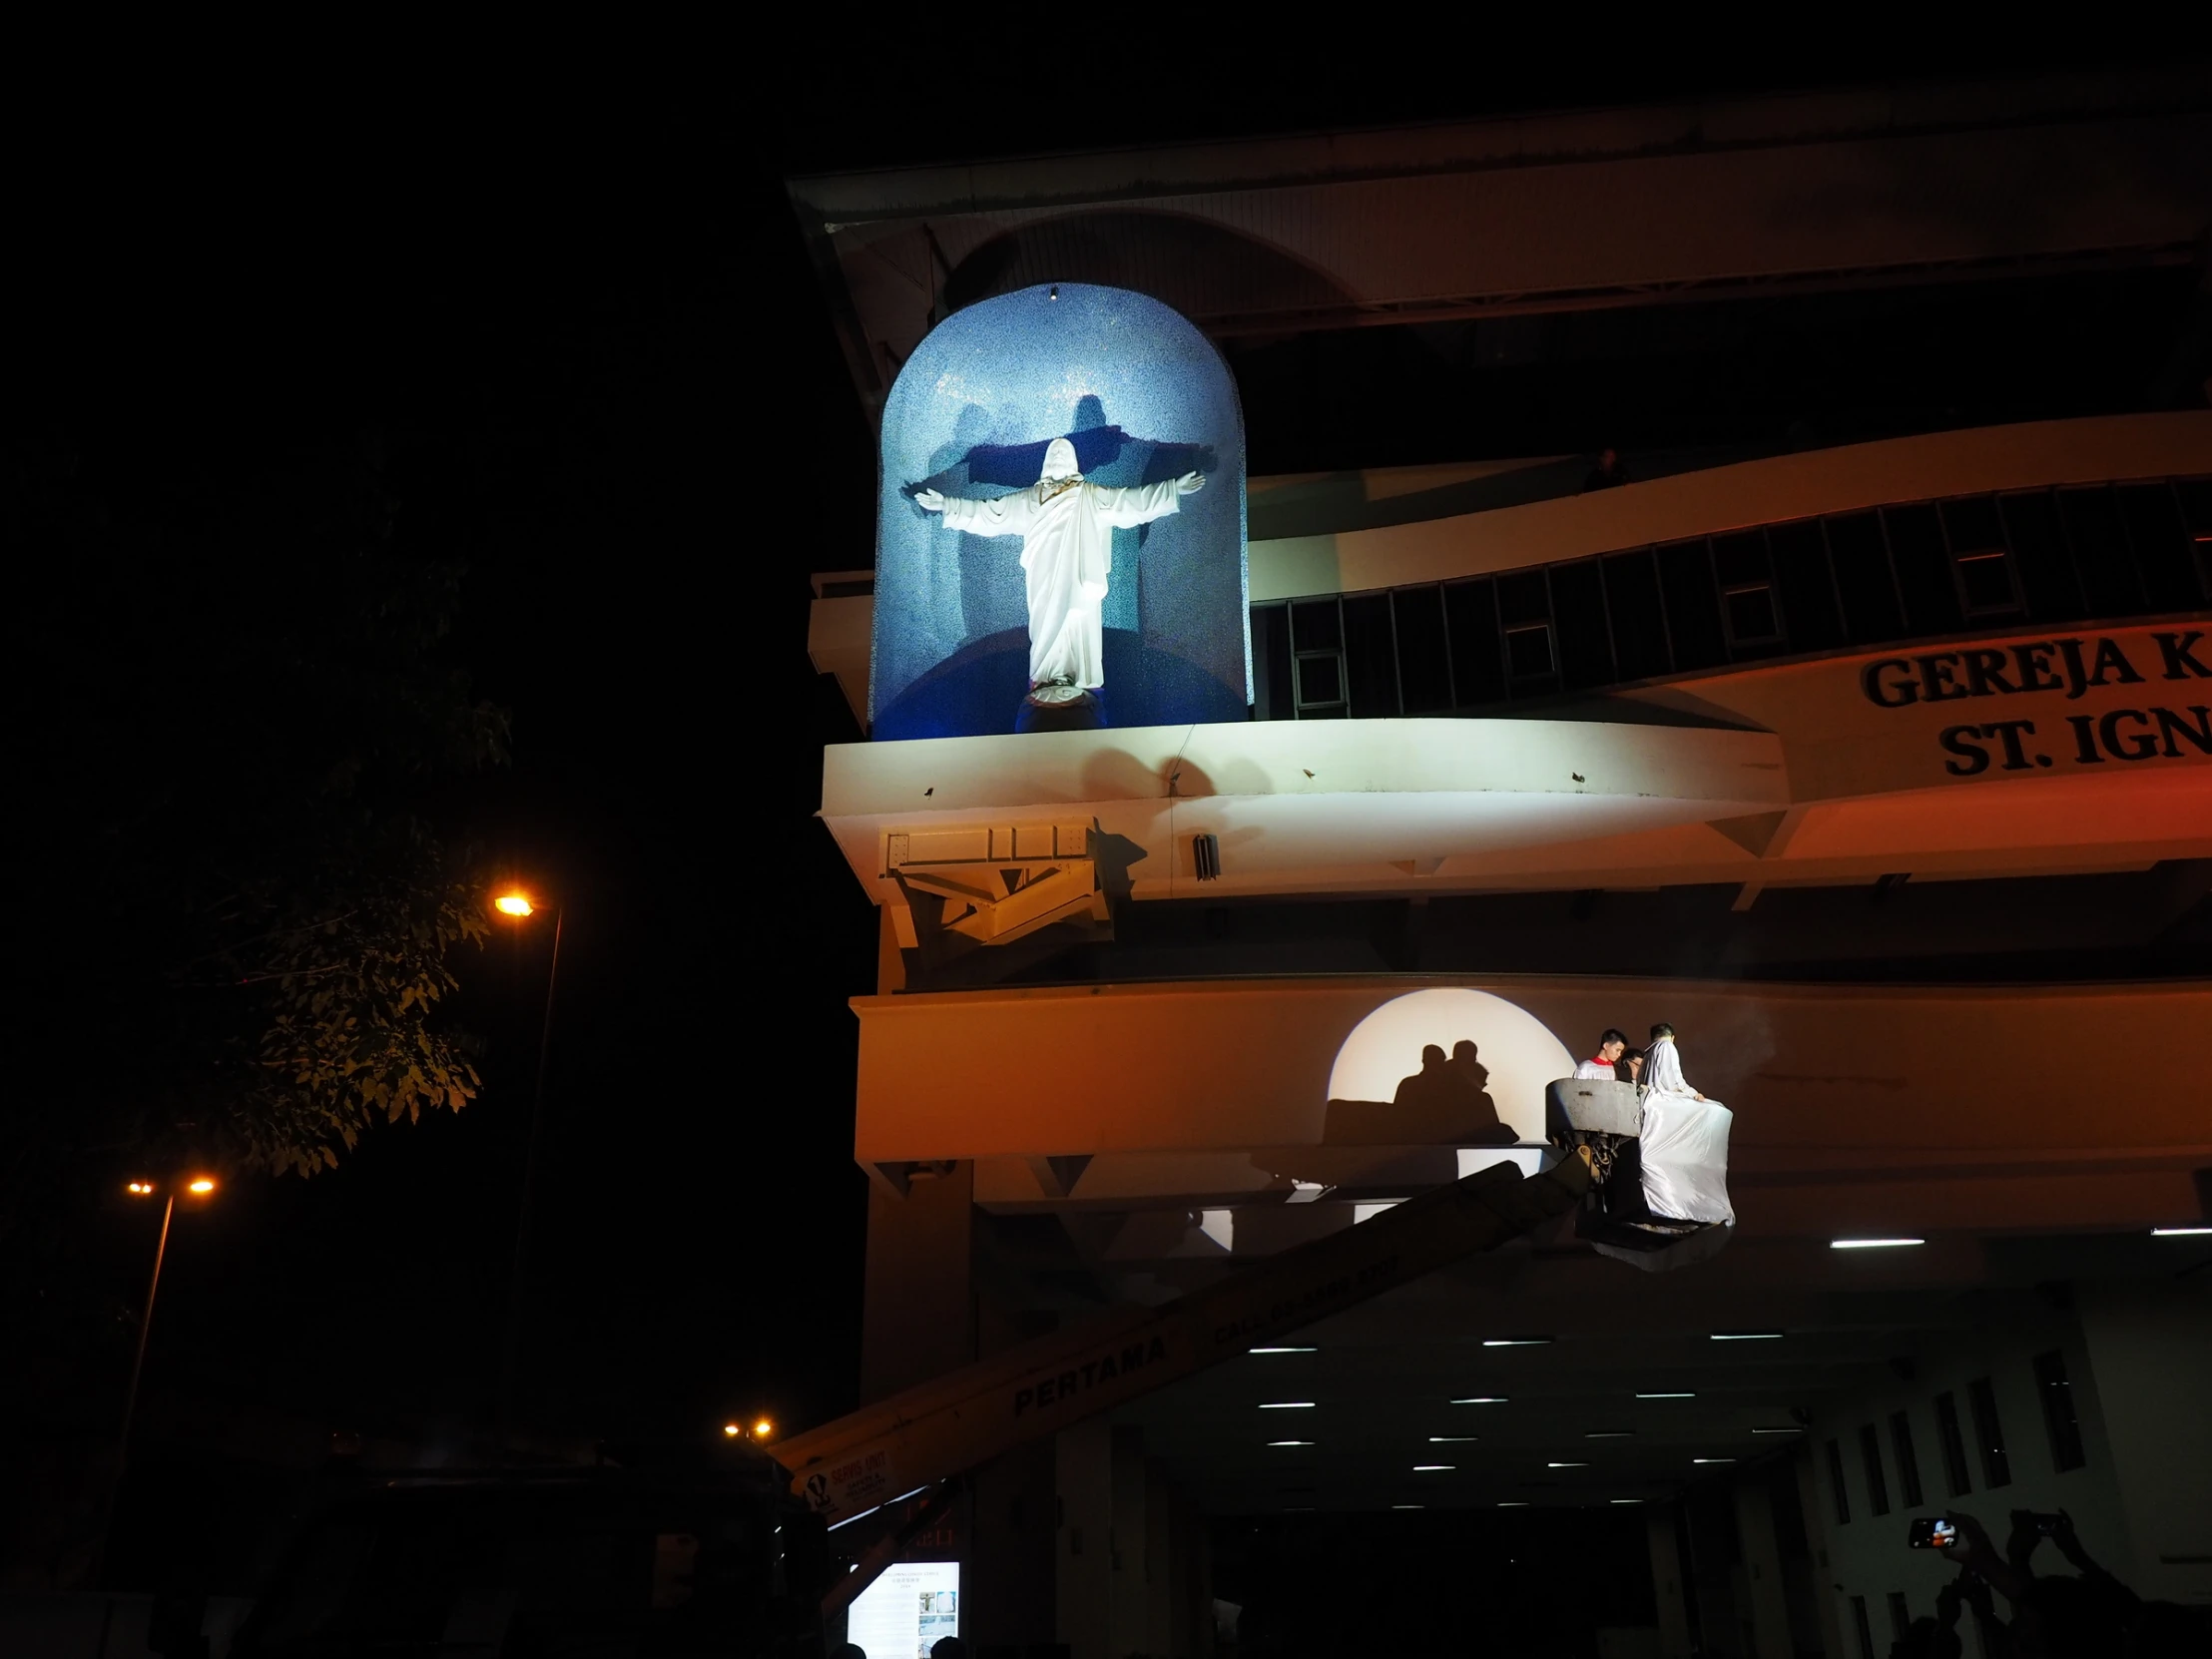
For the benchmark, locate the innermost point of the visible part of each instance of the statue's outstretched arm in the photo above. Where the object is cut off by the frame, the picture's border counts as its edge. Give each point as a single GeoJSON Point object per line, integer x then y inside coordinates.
{"type": "Point", "coordinates": [1008, 515]}
{"type": "Point", "coordinates": [1142, 503]}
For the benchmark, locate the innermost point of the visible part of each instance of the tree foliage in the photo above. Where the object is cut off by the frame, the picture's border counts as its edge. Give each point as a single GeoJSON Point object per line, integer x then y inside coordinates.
{"type": "Point", "coordinates": [247, 731]}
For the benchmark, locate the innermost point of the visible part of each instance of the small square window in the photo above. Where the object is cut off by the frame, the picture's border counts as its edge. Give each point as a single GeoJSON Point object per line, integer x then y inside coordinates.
{"type": "Point", "coordinates": [1528, 650]}
{"type": "Point", "coordinates": [1750, 615]}
{"type": "Point", "coordinates": [1986, 582]}
{"type": "Point", "coordinates": [1321, 679]}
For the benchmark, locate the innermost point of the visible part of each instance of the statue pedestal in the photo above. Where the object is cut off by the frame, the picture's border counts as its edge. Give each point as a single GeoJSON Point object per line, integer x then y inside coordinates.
{"type": "Point", "coordinates": [1060, 709]}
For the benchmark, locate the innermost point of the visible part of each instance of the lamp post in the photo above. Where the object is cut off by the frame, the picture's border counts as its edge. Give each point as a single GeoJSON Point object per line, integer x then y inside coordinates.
{"type": "Point", "coordinates": [519, 907]}
{"type": "Point", "coordinates": [197, 1186]}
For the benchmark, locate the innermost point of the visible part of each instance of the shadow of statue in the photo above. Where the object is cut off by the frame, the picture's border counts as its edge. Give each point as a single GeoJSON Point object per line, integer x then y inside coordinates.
{"type": "Point", "coordinates": [1447, 1102]}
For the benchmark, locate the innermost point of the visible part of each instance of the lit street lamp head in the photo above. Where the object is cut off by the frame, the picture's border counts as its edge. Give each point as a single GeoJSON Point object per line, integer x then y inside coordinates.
{"type": "Point", "coordinates": [201, 1185]}
{"type": "Point", "coordinates": [513, 904]}
{"type": "Point", "coordinates": [140, 1189]}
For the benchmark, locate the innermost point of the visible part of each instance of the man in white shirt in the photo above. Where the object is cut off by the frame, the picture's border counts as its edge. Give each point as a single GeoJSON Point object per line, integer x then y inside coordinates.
{"type": "Point", "coordinates": [1600, 1068]}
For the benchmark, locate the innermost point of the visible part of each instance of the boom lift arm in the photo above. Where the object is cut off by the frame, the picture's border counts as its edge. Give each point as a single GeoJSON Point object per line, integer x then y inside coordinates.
{"type": "Point", "coordinates": [954, 1422]}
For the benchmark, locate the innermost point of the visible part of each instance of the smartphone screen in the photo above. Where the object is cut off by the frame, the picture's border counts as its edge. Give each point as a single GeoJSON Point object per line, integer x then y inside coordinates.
{"type": "Point", "coordinates": [1932, 1532]}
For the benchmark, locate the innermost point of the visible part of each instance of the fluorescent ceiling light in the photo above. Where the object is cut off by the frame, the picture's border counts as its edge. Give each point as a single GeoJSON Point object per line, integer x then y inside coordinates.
{"type": "Point", "coordinates": [1482, 1400]}
{"type": "Point", "coordinates": [1512, 1503]}
{"type": "Point", "coordinates": [1281, 1351]}
{"type": "Point", "coordinates": [1515, 1341]}
{"type": "Point", "coordinates": [1746, 1336]}
{"type": "Point", "coordinates": [1712, 1459]}
{"type": "Point", "coordinates": [1286, 1405]}
{"type": "Point", "coordinates": [2179, 1231]}
{"type": "Point", "coordinates": [1624, 1501]}
{"type": "Point", "coordinates": [1408, 1507]}
{"type": "Point", "coordinates": [1778, 1430]}
{"type": "Point", "coordinates": [1872, 1243]}
{"type": "Point", "coordinates": [1289, 1442]}
{"type": "Point", "coordinates": [1566, 1465]}
{"type": "Point", "coordinates": [1610, 1433]}
{"type": "Point", "coordinates": [1450, 1439]}
{"type": "Point", "coordinates": [1667, 1396]}
{"type": "Point", "coordinates": [1435, 1468]}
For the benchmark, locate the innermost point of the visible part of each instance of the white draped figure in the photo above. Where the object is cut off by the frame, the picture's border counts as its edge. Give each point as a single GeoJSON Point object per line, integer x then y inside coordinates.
{"type": "Point", "coordinates": [1684, 1142]}
{"type": "Point", "coordinates": [1066, 525]}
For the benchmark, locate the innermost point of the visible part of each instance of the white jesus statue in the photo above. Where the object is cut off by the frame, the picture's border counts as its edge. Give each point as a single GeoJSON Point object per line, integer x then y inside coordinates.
{"type": "Point", "coordinates": [1067, 552]}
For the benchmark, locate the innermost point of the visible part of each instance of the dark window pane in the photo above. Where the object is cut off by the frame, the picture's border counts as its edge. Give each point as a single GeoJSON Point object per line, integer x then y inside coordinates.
{"type": "Point", "coordinates": [1836, 1484]}
{"type": "Point", "coordinates": [1900, 1621]}
{"type": "Point", "coordinates": [1908, 1463]}
{"type": "Point", "coordinates": [1859, 1623]}
{"type": "Point", "coordinates": [2196, 505]}
{"type": "Point", "coordinates": [1578, 614]}
{"type": "Point", "coordinates": [1862, 563]}
{"type": "Point", "coordinates": [1423, 665]}
{"type": "Point", "coordinates": [1954, 1445]}
{"type": "Point", "coordinates": [2059, 1411]}
{"type": "Point", "coordinates": [1314, 625]}
{"type": "Point", "coordinates": [1988, 1434]}
{"type": "Point", "coordinates": [1800, 559]}
{"type": "Point", "coordinates": [1747, 596]}
{"type": "Point", "coordinates": [1320, 679]}
{"type": "Point", "coordinates": [1371, 656]}
{"type": "Point", "coordinates": [1478, 662]}
{"type": "Point", "coordinates": [1985, 583]}
{"type": "Point", "coordinates": [1528, 650]}
{"type": "Point", "coordinates": [2109, 579]}
{"type": "Point", "coordinates": [1639, 631]}
{"type": "Point", "coordinates": [1923, 564]}
{"type": "Point", "coordinates": [2195, 497]}
{"type": "Point", "coordinates": [1870, 1453]}
{"type": "Point", "coordinates": [2040, 558]}
{"type": "Point", "coordinates": [1972, 525]}
{"type": "Point", "coordinates": [2162, 550]}
{"type": "Point", "coordinates": [1740, 560]}
{"type": "Point", "coordinates": [1522, 597]}
{"type": "Point", "coordinates": [1271, 661]}
{"type": "Point", "coordinates": [1750, 614]}
{"type": "Point", "coordinates": [1693, 608]}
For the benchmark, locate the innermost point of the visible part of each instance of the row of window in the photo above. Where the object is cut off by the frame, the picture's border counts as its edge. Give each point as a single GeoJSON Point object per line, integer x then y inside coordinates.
{"type": "Point", "coordinates": [1927, 569]}
{"type": "Point", "coordinates": [2060, 1425]}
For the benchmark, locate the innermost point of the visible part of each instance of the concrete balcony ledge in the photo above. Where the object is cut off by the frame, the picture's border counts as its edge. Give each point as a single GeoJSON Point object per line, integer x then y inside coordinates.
{"type": "Point", "coordinates": [1306, 805]}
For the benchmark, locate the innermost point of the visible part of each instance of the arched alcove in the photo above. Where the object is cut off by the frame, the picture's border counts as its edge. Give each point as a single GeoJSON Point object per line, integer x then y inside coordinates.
{"type": "Point", "coordinates": [1143, 396]}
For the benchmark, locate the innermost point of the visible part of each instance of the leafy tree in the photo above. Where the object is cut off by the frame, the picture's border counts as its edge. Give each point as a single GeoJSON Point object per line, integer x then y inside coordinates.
{"type": "Point", "coordinates": [243, 721]}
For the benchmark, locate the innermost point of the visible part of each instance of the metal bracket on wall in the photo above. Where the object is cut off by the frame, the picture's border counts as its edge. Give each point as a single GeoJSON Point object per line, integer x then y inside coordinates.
{"type": "Point", "coordinates": [994, 884]}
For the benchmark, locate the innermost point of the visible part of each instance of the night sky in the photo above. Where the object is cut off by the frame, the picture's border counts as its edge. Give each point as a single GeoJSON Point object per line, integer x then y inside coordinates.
{"type": "Point", "coordinates": [586, 346]}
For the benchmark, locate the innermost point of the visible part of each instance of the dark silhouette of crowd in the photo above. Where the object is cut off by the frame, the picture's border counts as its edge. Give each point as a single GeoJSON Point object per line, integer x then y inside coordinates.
{"type": "Point", "coordinates": [2086, 1614]}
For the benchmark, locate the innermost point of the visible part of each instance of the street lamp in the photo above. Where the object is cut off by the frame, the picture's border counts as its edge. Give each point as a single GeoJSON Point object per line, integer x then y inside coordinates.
{"type": "Point", "coordinates": [196, 1186]}
{"type": "Point", "coordinates": [519, 907]}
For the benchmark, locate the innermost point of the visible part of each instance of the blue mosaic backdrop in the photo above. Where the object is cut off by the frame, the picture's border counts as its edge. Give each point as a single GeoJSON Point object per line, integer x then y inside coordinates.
{"type": "Point", "coordinates": [1143, 396]}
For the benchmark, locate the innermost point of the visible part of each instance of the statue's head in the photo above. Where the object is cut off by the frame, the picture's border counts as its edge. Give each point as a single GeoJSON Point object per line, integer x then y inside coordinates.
{"type": "Point", "coordinates": [1059, 462]}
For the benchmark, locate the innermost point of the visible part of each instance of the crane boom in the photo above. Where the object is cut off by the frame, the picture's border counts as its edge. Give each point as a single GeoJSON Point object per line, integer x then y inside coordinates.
{"type": "Point", "coordinates": [957, 1421]}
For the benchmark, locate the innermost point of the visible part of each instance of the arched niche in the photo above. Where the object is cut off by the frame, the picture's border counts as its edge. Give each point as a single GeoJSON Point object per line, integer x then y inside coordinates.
{"type": "Point", "coordinates": [1143, 396]}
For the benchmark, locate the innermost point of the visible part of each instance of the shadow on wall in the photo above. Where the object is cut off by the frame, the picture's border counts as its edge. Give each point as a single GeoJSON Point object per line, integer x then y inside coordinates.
{"type": "Point", "coordinates": [1447, 1102]}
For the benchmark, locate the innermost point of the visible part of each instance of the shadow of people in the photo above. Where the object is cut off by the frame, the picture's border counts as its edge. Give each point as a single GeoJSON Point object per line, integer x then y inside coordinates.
{"type": "Point", "coordinates": [1443, 1103]}
{"type": "Point", "coordinates": [1474, 1077]}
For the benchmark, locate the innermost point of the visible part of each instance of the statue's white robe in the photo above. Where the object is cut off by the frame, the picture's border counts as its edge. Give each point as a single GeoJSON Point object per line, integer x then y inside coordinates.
{"type": "Point", "coordinates": [1684, 1143]}
{"type": "Point", "coordinates": [1067, 554]}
